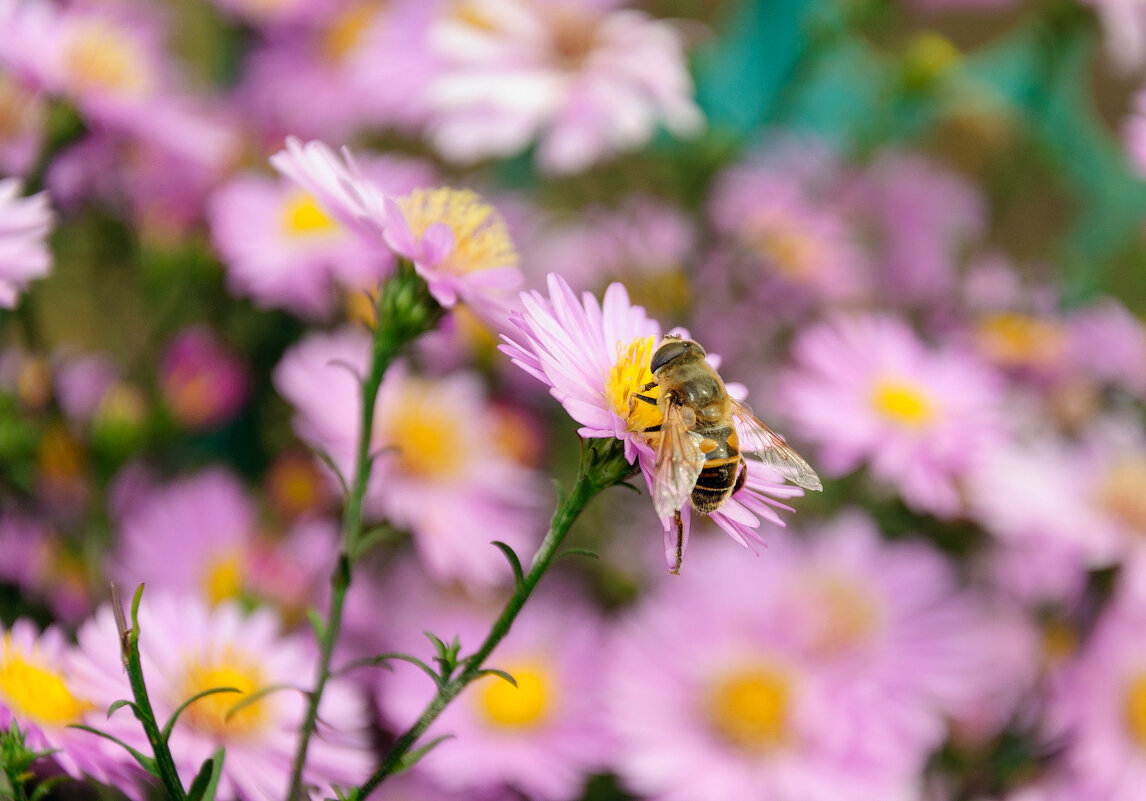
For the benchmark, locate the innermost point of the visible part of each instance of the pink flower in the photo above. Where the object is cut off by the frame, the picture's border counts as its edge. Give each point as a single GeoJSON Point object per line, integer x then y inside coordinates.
{"type": "Point", "coordinates": [24, 226]}
{"type": "Point", "coordinates": [24, 112]}
{"type": "Point", "coordinates": [594, 356]}
{"type": "Point", "coordinates": [187, 647]}
{"type": "Point", "coordinates": [441, 470]}
{"type": "Point", "coordinates": [204, 382]}
{"type": "Point", "coordinates": [866, 389]}
{"type": "Point", "coordinates": [586, 80]}
{"type": "Point", "coordinates": [542, 737]}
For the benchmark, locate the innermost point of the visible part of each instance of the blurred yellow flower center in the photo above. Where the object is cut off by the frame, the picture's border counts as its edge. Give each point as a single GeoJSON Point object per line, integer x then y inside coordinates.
{"type": "Point", "coordinates": [629, 375]}
{"type": "Point", "coordinates": [215, 714]}
{"type": "Point", "coordinates": [749, 707]}
{"type": "Point", "coordinates": [223, 577]}
{"type": "Point", "coordinates": [1135, 700]}
{"type": "Point", "coordinates": [1015, 340]}
{"type": "Point", "coordinates": [346, 31]}
{"type": "Point", "coordinates": [61, 458]}
{"type": "Point", "coordinates": [100, 56]}
{"type": "Point", "coordinates": [786, 248]}
{"type": "Point", "coordinates": [16, 108]}
{"type": "Point", "coordinates": [302, 216]}
{"type": "Point", "coordinates": [519, 707]}
{"type": "Point", "coordinates": [1059, 641]}
{"type": "Point", "coordinates": [1123, 493]}
{"type": "Point", "coordinates": [481, 238]}
{"type": "Point", "coordinates": [848, 616]}
{"type": "Point", "coordinates": [903, 403]}
{"type": "Point", "coordinates": [426, 433]}
{"type": "Point", "coordinates": [34, 692]}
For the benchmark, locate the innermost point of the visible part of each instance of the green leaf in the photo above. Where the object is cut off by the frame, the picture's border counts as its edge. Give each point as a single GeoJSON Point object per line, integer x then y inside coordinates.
{"type": "Point", "coordinates": [170, 725]}
{"type": "Point", "coordinates": [501, 674]}
{"type": "Point", "coordinates": [256, 696]}
{"type": "Point", "coordinates": [579, 552]}
{"type": "Point", "coordinates": [206, 782]}
{"type": "Point", "coordinates": [328, 460]}
{"type": "Point", "coordinates": [120, 704]}
{"type": "Point", "coordinates": [411, 758]}
{"type": "Point", "coordinates": [317, 624]}
{"type": "Point", "coordinates": [146, 762]}
{"type": "Point", "coordinates": [514, 563]}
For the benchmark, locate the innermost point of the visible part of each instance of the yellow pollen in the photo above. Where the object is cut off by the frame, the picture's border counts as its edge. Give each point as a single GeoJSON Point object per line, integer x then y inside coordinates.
{"type": "Point", "coordinates": [903, 403]}
{"type": "Point", "coordinates": [848, 615]}
{"type": "Point", "coordinates": [100, 56]}
{"type": "Point", "coordinates": [520, 707]}
{"type": "Point", "coordinates": [1135, 700]}
{"type": "Point", "coordinates": [1123, 493]}
{"type": "Point", "coordinates": [1016, 340]}
{"type": "Point", "coordinates": [302, 216]}
{"type": "Point", "coordinates": [481, 238]}
{"type": "Point", "coordinates": [629, 375]}
{"type": "Point", "coordinates": [209, 715]}
{"type": "Point", "coordinates": [749, 707]}
{"type": "Point", "coordinates": [345, 33]}
{"type": "Point", "coordinates": [34, 692]}
{"type": "Point", "coordinates": [424, 431]}
{"type": "Point", "coordinates": [223, 577]}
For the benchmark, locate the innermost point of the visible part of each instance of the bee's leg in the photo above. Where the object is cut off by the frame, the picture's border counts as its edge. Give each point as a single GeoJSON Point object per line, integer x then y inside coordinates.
{"type": "Point", "coordinates": [741, 477]}
{"type": "Point", "coordinates": [648, 386]}
{"type": "Point", "coordinates": [636, 396]}
{"type": "Point", "coordinates": [679, 542]}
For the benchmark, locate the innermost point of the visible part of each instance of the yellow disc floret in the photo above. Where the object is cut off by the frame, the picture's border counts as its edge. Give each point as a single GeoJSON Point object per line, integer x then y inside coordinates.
{"type": "Point", "coordinates": [903, 403]}
{"type": "Point", "coordinates": [99, 56]}
{"type": "Point", "coordinates": [521, 707]}
{"type": "Point", "coordinates": [1134, 698]}
{"type": "Point", "coordinates": [481, 238]}
{"type": "Point", "coordinates": [424, 429]}
{"type": "Point", "coordinates": [749, 707]}
{"type": "Point", "coordinates": [216, 715]}
{"type": "Point", "coordinates": [629, 376]}
{"type": "Point", "coordinates": [302, 216]}
{"type": "Point", "coordinates": [34, 691]}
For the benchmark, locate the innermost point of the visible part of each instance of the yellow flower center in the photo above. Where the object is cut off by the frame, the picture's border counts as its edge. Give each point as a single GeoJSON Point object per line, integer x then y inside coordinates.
{"type": "Point", "coordinates": [345, 32]}
{"type": "Point", "coordinates": [630, 375]}
{"type": "Point", "coordinates": [302, 216]}
{"type": "Point", "coordinates": [223, 577]}
{"type": "Point", "coordinates": [848, 617]}
{"type": "Point", "coordinates": [100, 56]}
{"type": "Point", "coordinates": [481, 238]}
{"type": "Point", "coordinates": [1135, 700]}
{"type": "Point", "coordinates": [749, 707]}
{"type": "Point", "coordinates": [425, 432]}
{"type": "Point", "coordinates": [903, 403]}
{"type": "Point", "coordinates": [525, 706]}
{"type": "Point", "coordinates": [787, 249]}
{"type": "Point", "coordinates": [35, 692]}
{"type": "Point", "coordinates": [1123, 493]}
{"type": "Point", "coordinates": [215, 715]}
{"type": "Point", "coordinates": [1015, 340]}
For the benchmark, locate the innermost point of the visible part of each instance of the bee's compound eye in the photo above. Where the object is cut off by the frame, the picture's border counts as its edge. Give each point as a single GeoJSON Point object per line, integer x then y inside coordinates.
{"type": "Point", "coordinates": [672, 349]}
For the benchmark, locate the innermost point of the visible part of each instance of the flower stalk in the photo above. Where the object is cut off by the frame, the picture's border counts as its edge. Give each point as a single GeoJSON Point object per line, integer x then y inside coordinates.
{"type": "Point", "coordinates": [603, 465]}
{"type": "Point", "coordinates": [404, 310]}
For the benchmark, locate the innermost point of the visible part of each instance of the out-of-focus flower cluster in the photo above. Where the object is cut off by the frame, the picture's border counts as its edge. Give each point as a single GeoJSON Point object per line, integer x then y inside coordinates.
{"type": "Point", "coordinates": [910, 234]}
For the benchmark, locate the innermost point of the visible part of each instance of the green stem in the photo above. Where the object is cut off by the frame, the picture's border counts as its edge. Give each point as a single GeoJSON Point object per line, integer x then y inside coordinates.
{"type": "Point", "coordinates": [404, 311]}
{"type": "Point", "coordinates": [602, 466]}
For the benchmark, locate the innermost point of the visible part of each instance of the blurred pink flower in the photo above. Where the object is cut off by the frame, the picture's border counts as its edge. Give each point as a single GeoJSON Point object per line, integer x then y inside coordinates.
{"type": "Point", "coordinates": [542, 737]}
{"type": "Point", "coordinates": [82, 383]}
{"type": "Point", "coordinates": [44, 566]}
{"type": "Point", "coordinates": [23, 116]}
{"type": "Point", "coordinates": [187, 647]}
{"type": "Point", "coordinates": [38, 692]}
{"type": "Point", "coordinates": [714, 693]}
{"type": "Point", "coordinates": [585, 79]}
{"type": "Point", "coordinates": [1124, 28]}
{"type": "Point", "coordinates": [594, 356]}
{"type": "Point", "coordinates": [200, 536]}
{"type": "Point", "coordinates": [441, 470]}
{"type": "Point", "coordinates": [204, 382]}
{"type": "Point", "coordinates": [24, 226]}
{"type": "Point", "coordinates": [866, 389]}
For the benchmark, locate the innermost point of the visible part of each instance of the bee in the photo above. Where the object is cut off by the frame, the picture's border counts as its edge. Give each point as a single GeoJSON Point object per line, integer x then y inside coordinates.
{"type": "Point", "coordinates": [703, 435]}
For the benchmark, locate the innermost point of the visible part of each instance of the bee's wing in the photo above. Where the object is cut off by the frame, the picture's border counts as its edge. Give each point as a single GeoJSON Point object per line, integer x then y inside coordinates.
{"type": "Point", "coordinates": [755, 437]}
{"type": "Point", "coordinates": [678, 463]}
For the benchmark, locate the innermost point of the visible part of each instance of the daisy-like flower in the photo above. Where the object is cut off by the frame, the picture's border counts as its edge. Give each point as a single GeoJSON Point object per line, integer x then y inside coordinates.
{"type": "Point", "coordinates": [204, 382]}
{"type": "Point", "coordinates": [187, 647]}
{"type": "Point", "coordinates": [868, 390]}
{"type": "Point", "coordinates": [199, 536]}
{"type": "Point", "coordinates": [542, 737]}
{"type": "Point", "coordinates": [38, 692]}
{"type": "Point", "coordinates": [595, 356]}
{"type": "Point", "coordinates": [443, 471]}
{"type": "Point", "coordinates": [457, 242]}
{"type": "Point", "coordinates": [24, 226]}
{"type": "Point", "coordinates": [586, 79]}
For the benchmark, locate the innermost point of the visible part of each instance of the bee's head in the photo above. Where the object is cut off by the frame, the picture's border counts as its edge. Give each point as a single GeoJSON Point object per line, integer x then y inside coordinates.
{"type": "Point", "coordinates": [673, 348]}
